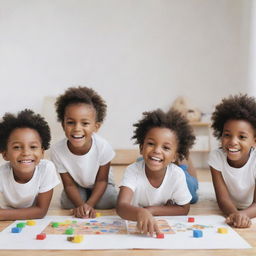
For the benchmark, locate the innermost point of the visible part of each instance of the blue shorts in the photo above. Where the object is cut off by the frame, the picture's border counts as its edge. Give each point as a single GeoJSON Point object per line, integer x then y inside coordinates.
{"type": "Point", "coordinates": [192, 183]}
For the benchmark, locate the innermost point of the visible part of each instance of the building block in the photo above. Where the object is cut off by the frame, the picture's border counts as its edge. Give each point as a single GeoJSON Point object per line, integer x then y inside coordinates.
{"type": "Point", "coordinates": [40, 236]}
{"type": "Point", "coordinates": [160, 235]}
{"type": "Point", "coordinates": [21, 225]}
{"type": "Point", "coordinates": [191, 219]}
{"type": "Point", "coordinates": [16, 230]}
{"type": "Point", "coordinates": [222, 230]}
{"type": "Point", "coordinates": [197, 233]}
{"type": "Point", "coordinates": [98, 214]}
{"type": "Point", "coordinates": [55, 224]}
{"type": "Point", "coordinates": [76, 239]}
{"type": "Point", "coordinates": [69, 231]}
{"type": "Point", "coordinates": [31, 222]}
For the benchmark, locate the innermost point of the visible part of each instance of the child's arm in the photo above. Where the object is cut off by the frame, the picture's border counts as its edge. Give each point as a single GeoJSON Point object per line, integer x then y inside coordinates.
{"type": "Point", "coordinates": [169, 209]}
{"type": "Point", "coordinates": [34, 212]}
{"type": "Point", "coordinates": [81, 208]}
{"type": "Point", "coordinates": [237, 218]}
{"type": "Point", "coordinates": [100, 185]}
{"type": "Point", "coordinates": [145, 220]}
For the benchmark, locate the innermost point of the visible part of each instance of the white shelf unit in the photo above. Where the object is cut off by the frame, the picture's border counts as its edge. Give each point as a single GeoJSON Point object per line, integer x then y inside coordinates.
{"type": "Point", "coordinates": [200, 151]}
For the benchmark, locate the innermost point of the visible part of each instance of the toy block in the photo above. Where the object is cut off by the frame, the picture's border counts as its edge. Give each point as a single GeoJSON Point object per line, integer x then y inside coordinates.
{"type": "Point", "coordinates": [70, 238]}
{"type": "Point", "coordinates": [40, 236]}
{"type": "Point", "coordinates": [191, 219]}
{"type": "Point", "coordinates": [55, 224]}
{"type": "Point", "coordinates": [98, 214]}
{"type": "Point", "coordinates": [160, 235]}
{"type": "Point", "coordinates": [197, 233]}
{"type": "Point", "coordinates": [21, 225]}
{"type": "Point", "coordinates": [16, 230]}
{"type": "Point", "coordinates": [69, 231]}
{"type": "Point", "coordinates": [222, 230]}
{"type": "Point", "coordinates": [31, 222]}
{"type": "Point", "coordinates": [78, 239]}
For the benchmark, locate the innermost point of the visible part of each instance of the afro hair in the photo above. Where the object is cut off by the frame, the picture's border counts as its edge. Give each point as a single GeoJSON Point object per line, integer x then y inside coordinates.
{"type": "Point", "coordinates": [76, 95]}
{"type": "Point", "coordinates": [24, 119]}
{"type": "Point", "coordinates": [172, 120]}
{"type": "Point", "coordinates": [238, 107]}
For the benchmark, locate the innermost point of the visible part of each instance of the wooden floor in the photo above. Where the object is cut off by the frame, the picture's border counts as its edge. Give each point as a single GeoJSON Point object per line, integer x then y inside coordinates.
{"type": "Point", "coordinates": [203, 207]}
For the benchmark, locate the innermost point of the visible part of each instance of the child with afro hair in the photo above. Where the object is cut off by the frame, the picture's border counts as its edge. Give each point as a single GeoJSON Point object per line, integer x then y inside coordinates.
{"type": "Point", "coordinates": [83, 157]}
{"type": "Point", "coordinates": [233, 166]}
{"type": "Point", "coordinates": [27, 180]}
{"type": "Point", "coordinates": [156, 185]}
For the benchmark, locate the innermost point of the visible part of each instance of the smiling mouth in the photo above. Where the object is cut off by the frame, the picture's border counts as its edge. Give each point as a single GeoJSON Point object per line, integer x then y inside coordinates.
{"type": "Point", "coordinates": [77, 137]}
{"type": "Point", "coordinates": [26, 161]}
{"type": "Point", "coordinates": [233, 150]}
{"type": "Point", "coordinates": [153, 158]}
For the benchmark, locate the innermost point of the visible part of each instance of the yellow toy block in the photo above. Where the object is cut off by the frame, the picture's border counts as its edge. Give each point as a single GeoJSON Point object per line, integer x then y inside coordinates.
{"type": "Point", "coordinates": [31, 222]}
{"type": "Point", "coordinates": [76, 239]}
{"type": "Point", "coordinates": [222, 230]}
{"type": "Point", "coordinates": [98, 214]}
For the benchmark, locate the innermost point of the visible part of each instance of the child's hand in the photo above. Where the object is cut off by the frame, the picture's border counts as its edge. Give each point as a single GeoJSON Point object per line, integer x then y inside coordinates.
{"type": "Point", "coordinates": [146, 223]}
{"type": "Point", "coordinates": [238, 220]}
{"type": "Point", "coordinates": [84, 211]}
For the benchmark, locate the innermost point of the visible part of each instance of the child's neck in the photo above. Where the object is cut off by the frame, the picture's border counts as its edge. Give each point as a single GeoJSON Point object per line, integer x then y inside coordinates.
{"type": "Point", "coordinates": [155, 178]}
{"type": "Point", "coordinates": [80, 150]}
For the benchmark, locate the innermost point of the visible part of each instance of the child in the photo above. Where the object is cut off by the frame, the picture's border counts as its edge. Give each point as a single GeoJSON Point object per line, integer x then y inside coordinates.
{"type": "Point", "coordinates": [83, 157]}
{"type": "Point", "coordinates": [27, 181]}
{"type": "Point", "coordinates": [155, 185]}
{"type": "Point", "coordinates": [233, 166]}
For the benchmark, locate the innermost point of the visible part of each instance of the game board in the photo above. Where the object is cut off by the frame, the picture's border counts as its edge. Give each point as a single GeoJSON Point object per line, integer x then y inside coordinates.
{"type": "Point", "coordinates": [101, 227]}
{"type": "Point", "coordinates": [115, 233]}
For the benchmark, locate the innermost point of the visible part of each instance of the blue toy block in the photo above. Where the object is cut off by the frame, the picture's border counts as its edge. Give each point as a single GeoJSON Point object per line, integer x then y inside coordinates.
{"type": "Point", "coordinates": [16, 230]}
{"type": "Point", "coordinates": [197, 233]}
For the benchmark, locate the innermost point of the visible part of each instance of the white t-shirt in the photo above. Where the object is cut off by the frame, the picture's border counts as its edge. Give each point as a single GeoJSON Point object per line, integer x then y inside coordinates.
{"type": "Point", "coordinates": [174, 186]}
{"type": "Point", "coordinates": [18, 195]}
{"type": "Point", "coordinates": [83, 168]}
{"type": "Point", "coordinates": [239, 181]}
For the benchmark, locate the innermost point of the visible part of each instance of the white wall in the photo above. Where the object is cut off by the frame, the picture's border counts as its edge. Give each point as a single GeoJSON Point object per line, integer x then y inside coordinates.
{"type": "Point", "coordinates": [138, 54]}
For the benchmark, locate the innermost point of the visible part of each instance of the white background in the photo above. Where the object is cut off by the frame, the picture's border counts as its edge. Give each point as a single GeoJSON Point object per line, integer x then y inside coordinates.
{"type": "Point", "coordinates": [138, 54]}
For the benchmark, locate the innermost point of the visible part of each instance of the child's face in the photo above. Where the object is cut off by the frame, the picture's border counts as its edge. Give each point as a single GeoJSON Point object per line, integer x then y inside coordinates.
{"type": "Point", "coordinates": [24, 151]}
{"type": "Point", "coordinates": [159, 148]}
{"type": "Point", "coordinates": [238, 137]}
{"type": "Point", "coordinates": [79, 124]}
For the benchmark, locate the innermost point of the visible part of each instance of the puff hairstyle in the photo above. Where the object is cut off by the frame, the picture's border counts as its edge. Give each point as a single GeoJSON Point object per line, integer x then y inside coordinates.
{"type": "Point", "coordinates": [172, 120]}
{"type": "Point", "coordinates": [237, 107]}
{"type": "Point", "coordinates": [76, 95]}
{"type": "Point", "coordinates": [24, 119]}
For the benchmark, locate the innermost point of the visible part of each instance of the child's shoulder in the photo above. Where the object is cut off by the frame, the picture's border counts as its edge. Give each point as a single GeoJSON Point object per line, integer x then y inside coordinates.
{"type": "Point", "coordinates": [5, 167]}
{"type": "Point", "coordinates": [46, 166]}
{"type": "Point", "coordinates": [59, 144]}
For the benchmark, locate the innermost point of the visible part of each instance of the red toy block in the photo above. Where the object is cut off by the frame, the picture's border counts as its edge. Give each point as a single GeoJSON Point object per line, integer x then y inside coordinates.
{"type": "Point", "coordinates": [41, 236]}
{"type": "Point", "coordinates": [160, 235]}
{"type": "Point", "coordinates": [191, 219]}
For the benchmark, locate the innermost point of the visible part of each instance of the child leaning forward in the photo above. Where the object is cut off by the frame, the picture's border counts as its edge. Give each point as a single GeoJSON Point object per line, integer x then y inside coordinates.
{"type": "Point", "coordinates": [156, 186]}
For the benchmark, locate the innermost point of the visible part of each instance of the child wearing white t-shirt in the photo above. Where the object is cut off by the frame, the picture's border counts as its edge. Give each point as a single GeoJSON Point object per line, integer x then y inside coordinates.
{"type": "Point", "coordinates": [156, 185]}
{"type": "Point", "coordinates": [83, 157]}
{"type": "Point", "coordinates": [26, 180]}
{"type": "Point", "coordinates": [233, 165]}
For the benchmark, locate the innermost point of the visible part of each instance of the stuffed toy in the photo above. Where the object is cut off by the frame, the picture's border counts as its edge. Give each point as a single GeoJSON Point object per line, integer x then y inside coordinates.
{"type": "Point", "coordinates": [182, 105]}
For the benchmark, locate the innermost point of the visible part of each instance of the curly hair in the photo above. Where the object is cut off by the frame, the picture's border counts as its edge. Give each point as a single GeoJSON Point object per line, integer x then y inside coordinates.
{"type": "Point", "coordinates": [75, 95]}
{"type": "Point", "coordinates": [238, 107]}
{"type": "Point", "coordinates": [172, 120]}
{"type": "Point", "coordinates": [24, 119]}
